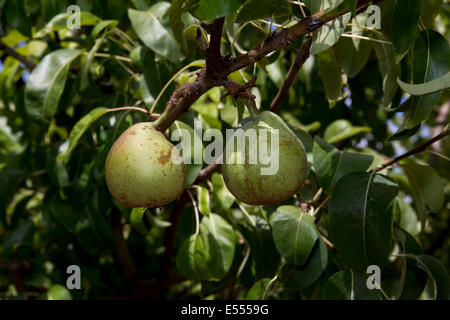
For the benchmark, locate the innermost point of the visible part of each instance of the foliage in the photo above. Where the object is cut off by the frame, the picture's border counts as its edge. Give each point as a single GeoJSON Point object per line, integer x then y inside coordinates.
{"type": "Point", "coordinates": [364, 95]}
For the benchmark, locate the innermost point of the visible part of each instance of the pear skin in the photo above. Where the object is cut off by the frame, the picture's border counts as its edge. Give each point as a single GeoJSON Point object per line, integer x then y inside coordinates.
{"type": "Point", "coordinates": [246, 182]}
{"type": "Point", "coordinates": [140, 171]}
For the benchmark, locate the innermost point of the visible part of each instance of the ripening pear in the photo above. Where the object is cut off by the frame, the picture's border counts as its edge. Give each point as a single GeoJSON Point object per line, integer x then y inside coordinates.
{"type": "Point", "coordinates": [246, 181]}
{"type": "Point", "coordinates": [140, 170]}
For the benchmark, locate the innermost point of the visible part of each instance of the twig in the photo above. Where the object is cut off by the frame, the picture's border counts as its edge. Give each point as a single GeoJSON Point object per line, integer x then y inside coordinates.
{"type": "Point", "coordinates": [213, 55]}
{"type": "Point", "coordinates": [300, 58]}
{"type": "Point", "coordinates": [420, 148]}
{"type": "Point", "coordinates": [122, 249]}
{"type": "Point", "coordinates": [13, 53]}
{"type": "Point", "coordinates": [197, 215]}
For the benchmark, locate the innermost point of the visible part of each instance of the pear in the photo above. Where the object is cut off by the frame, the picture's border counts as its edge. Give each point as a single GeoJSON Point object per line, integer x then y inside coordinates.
{"type": "Point", "coordinates": [246, 181]}
{"type": "Point", "coordinates": [141, 170]}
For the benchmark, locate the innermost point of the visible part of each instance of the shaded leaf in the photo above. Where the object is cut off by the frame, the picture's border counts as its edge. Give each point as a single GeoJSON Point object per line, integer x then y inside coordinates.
{"type": "Point", "coordinates": [257, 291]}
{"type": "Point", "coordinates": [361, 218]}
{"type": "Point", "coordinates": [299, 278]}
{"type": "Point", "coordinates": [427, 188]}
{"type": "Point", "coordinates": [404, 26]}
{"type": "Point", "coordinates": [331, 75]}
{"type": "Point", "coordinates": [45, 86]}
{"type": "Point", "coordinates": [349, 285]}
{"type": "Point", "coordinates": [213, 9]}
{"type": "Point", "coordinates": [331, 164]}
{"type": "Point", "coordinates": [259, 9]}
{"type": "Point", "coordinates": [430, 61]}
{"type": "Point", "coordinates": [176, 23]}
{"type": "Point", "coordinates": [79, 129]}
{"type": "Point", "coordinates": [329, 34]}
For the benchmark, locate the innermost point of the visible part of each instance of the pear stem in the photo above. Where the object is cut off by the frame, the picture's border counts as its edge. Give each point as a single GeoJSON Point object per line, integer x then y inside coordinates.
{"type": "Point", "coordinates": [252, 108]}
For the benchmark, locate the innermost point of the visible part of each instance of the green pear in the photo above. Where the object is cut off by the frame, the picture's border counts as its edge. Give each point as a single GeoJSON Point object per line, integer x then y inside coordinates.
{"type": "Point", "coordinates": [245, 179]}
{"type": "Point", "coordinates": [141, 170]}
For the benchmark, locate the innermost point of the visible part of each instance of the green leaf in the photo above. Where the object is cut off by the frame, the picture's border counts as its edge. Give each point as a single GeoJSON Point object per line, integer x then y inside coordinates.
{"type": "Point", "coordinates": [329, 34]}
{"type": "Point", "coordinates": [257, 291]}
{"type": "Point", "coordinates": [138, 220]}
{"type": "Point", "coordinates": [319, 5]}
{"type": "Point", "coordinates": [299, 278]}
{"type": "Point", "coordinates": [189, 142]}
{"type": "Point", "coordinates": [389, 69]}
{"type": "Point", "coordinates": [353, 5]}
{"type": "Point", "coordinates": [102, 26]}
{"type": "Point", "coordinates": [349, 285]}
{"type": "Point", "coordinates": [259, 9]}
{"type": "Point", "coordinates": [438, 274]}
{"type": "Point", "coordinates": [430, 61]}
{"type": "Point", "coordinates": [203, 201]}
{"type": "Point", "coordinates": [177, 25]}
{"type": "Point", "coordinates": [208, 255]}
{"type": "Point", "coordinates": [213, 9]}
{"type": "Point", "coordinates": [353, 55]}
{"type": "Point", "coordinates": [408, 219]}
{"type": "Point", "coordinates": [427, 189]}
{"type": "Point", "coordinates": [436, 85]}
{"type": "Point", "coordinates": [65, 213]}
{"type": "Point", "coordinates": [159, 39]}
{"type": "Point", "coordinates": [10, 180]}
{"type": "Point", "coordinates": [341, 130]}
{"type": "Point", "coordinates": [331, 164]}
{"type": "Point", "coordinates": [332, 77]}
{"type": "Point", "coordinates": [361, 218]}
{"type": "Point", "coordinates": [404, 26]}
{"type": "Point", "coordinates": [223, 198]}
{"type": "Point", "coordinates": [58, 292]}
{"type": "Point", "coordinates": [263, 250]}
{"type": "Point", "coordinates": [294, 233]}
{"type": "Point", "coordinates": [79, 129]}
{"type": "Point", "coordinates": [46, 83]}
{"type": "Point", "coordinates": [87, 64]}
{"type": "Point", "coordinates": [430, 9]}
{"type": "Point", "coordinates": [21, 234]}
{"type": "Point", "coordinates": [61, 20]}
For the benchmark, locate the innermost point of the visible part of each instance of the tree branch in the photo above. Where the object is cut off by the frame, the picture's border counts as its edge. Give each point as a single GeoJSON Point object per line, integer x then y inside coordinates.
{"type": "Point", "coordinates": [186, 95]}
{"type": "Point", "coordinates": [300, 58]}
{"type": "Point", "coordinates": [13, 53]}
{"type": "Point", "coordinates": [122, 249]}
{"type": "Point", "coordinates": [420, 148]}
{"type": "Point", "coordinates": [213, 55]}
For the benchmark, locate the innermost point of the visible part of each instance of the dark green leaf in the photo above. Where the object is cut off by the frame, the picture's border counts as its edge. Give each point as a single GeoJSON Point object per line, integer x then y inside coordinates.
{"type": "Point", "coordinates": [79, 129]}
{"type": "Point", "coordinates": [436, 85]}
{"type": "Point", "coordinates": [299, 278]}
{"type": "Point", "coordinates": [349, 285]}
{"type": "Point", "coordinates": [361, 218]}
{"type": "Point", "coordinates": [430, 61]}
{"type": "Point", "coordinates": [404, 26]}
{"type": "Point", "coordinates": [332, 77]}
{"type": "Point", "coordinates": [331, 164]}
{"type": "Point", "coordinates": [329, 34]}
{"type": "Point", "coordinates": [259, 9]}
{"type": "Point", "coordinates": [213, 9]}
